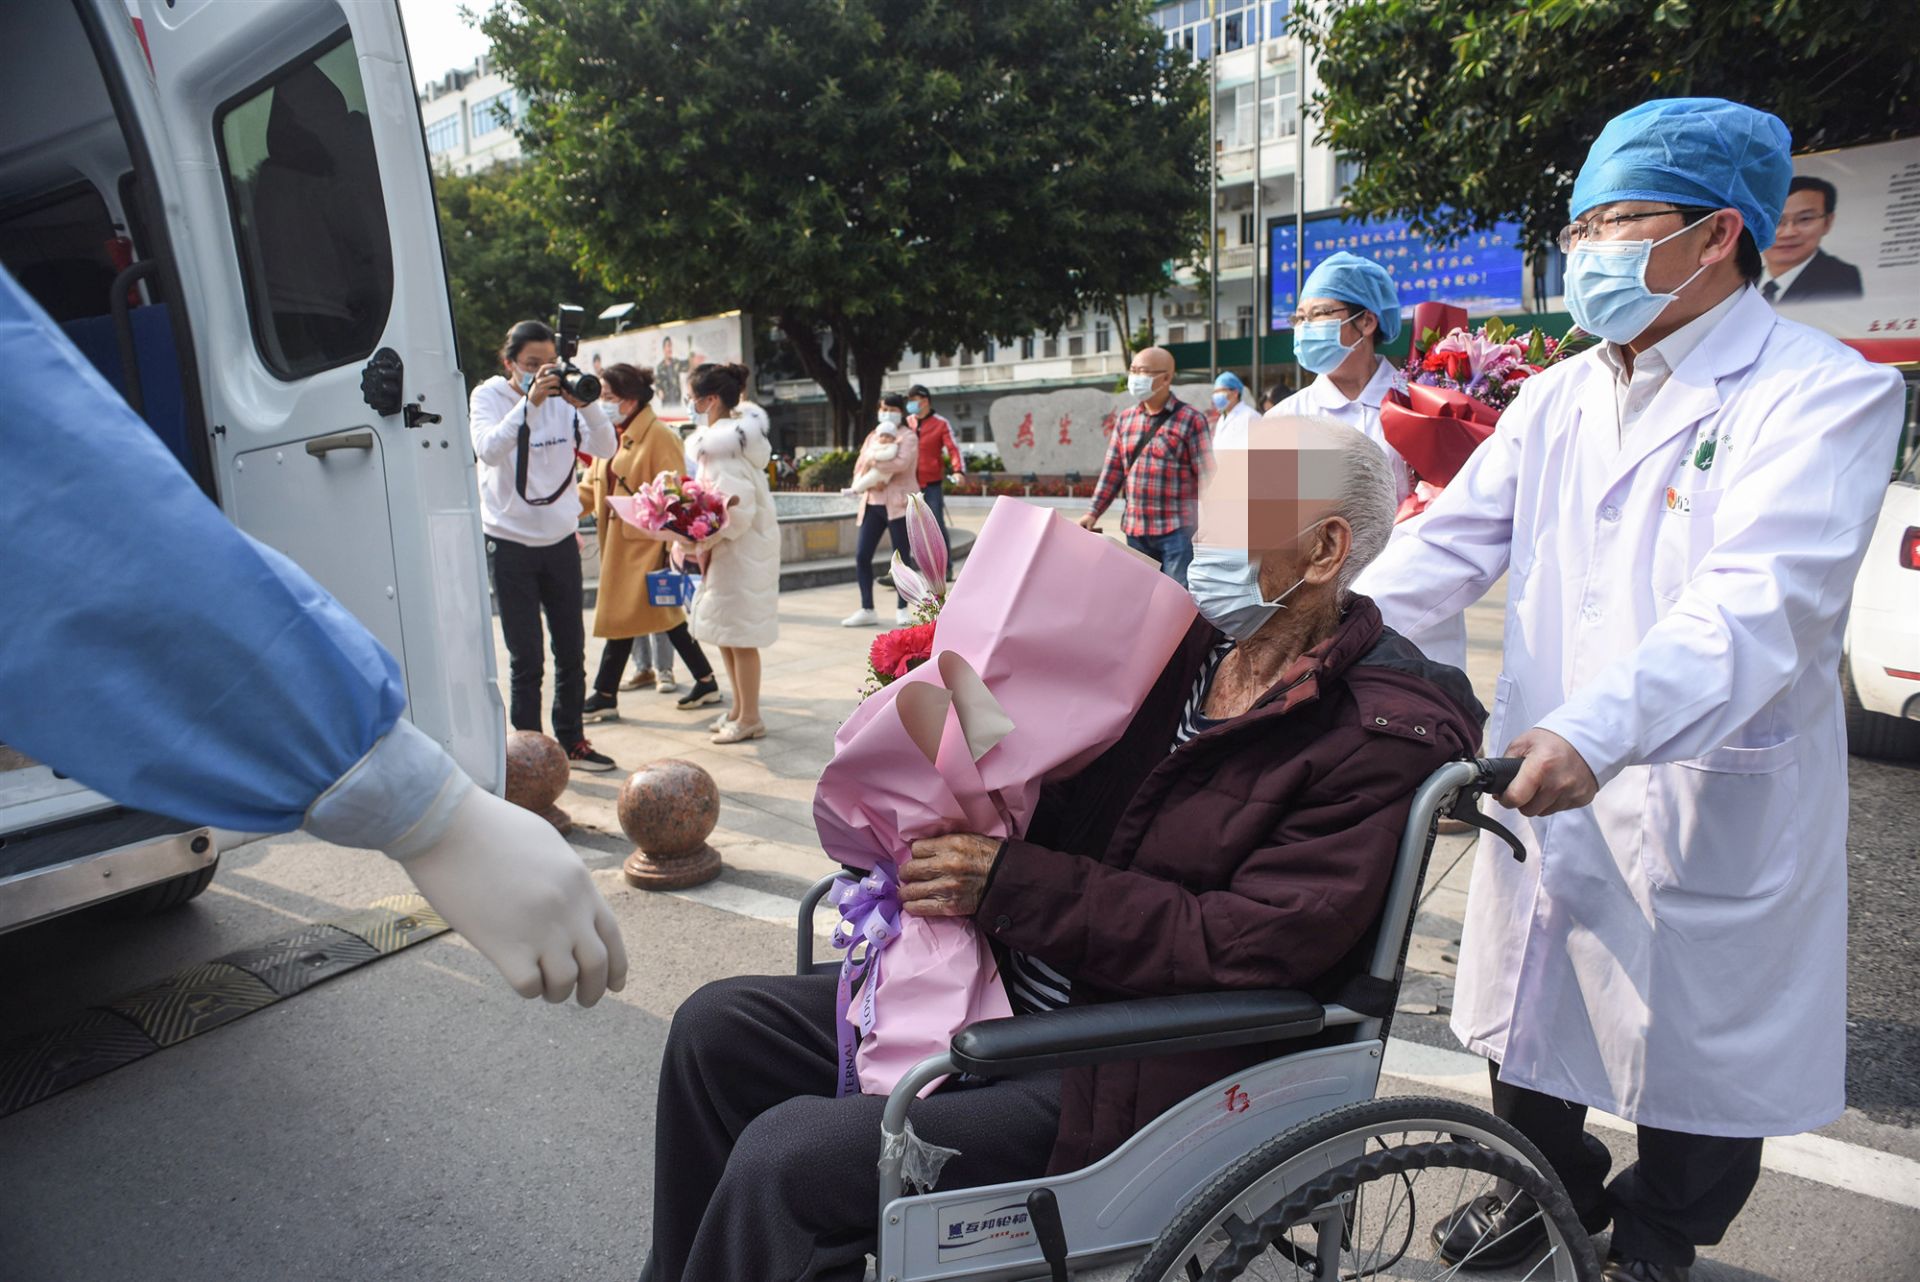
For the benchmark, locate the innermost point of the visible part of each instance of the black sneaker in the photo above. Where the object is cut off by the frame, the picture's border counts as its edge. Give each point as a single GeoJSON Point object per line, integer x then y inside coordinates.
{"type": "Point", "coordinates": [600, 707]}
{"type": "Point", "coordinates": [703, 693]}
{"type": "Point", "coordinates": [583, 757]}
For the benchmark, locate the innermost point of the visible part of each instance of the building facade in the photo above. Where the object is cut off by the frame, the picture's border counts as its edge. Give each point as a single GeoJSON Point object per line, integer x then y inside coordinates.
{"type": "Point", "coordinates": [468, 116]}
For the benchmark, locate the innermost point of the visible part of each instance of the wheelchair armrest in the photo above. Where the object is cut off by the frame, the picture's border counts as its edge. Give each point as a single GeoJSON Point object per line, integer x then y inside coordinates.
{"type": "Point", "coordinates": [1138, 1029]}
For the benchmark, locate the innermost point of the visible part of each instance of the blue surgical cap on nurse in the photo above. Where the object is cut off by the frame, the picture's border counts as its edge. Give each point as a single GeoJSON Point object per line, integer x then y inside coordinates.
{"type": "Point", "coordinates": [1360, 281]}
{"type": "Point", "coordinates": [1692, 151]}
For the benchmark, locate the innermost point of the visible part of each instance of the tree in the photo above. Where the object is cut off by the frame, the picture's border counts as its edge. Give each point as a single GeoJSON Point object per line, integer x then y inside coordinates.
{"type": "Point", "coordinates": [501, 265]}
{"type": "Point", "coordinates": [867, 175]}
{"type": "Point", "coordinates": [1463, 112]}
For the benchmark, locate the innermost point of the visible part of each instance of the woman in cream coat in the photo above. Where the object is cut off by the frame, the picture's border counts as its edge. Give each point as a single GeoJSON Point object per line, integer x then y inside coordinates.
{"type": "Point", "coordinates": [621, 610]}
{"type": "Point", "coordinates": [738, 605]}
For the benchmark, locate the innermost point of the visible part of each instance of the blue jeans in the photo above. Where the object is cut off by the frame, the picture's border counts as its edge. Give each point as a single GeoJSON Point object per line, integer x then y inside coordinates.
{"type": "Point", "coordinates": [1173, 550]}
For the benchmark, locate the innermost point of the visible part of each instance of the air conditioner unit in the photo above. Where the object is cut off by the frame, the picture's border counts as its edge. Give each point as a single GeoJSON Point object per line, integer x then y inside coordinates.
{"type": "Point", "coordinates": [1166, 309]}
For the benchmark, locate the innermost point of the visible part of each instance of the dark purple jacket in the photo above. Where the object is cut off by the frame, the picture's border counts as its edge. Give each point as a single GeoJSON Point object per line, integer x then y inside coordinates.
{"type": "Point", "coordinates": [1256, 856]}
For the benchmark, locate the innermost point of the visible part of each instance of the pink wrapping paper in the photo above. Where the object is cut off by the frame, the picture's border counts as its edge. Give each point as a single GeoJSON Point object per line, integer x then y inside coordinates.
{"type": "Point", "coordinates": [1046, 647]}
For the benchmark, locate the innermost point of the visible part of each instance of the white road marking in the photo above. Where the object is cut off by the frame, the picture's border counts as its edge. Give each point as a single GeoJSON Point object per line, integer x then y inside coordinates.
{"type": "Point", "coordinates": [1886, 1177]}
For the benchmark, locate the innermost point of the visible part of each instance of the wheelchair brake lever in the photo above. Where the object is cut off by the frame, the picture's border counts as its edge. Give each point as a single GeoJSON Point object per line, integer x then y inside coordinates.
{"type": "Point", "coordinates": [1467, 812]}
{"type": "Point", "coordinates": [1043, 1212]}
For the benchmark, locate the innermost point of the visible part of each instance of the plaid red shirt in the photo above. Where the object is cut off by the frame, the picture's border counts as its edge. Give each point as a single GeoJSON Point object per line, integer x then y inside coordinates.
{"type": "Point", "coordinates": [1163, 489]}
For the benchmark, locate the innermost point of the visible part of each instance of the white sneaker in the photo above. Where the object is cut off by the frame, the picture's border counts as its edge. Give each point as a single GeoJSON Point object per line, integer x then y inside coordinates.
{"type": "Point", "coordinates": [861, 619]}
{"type": "Point", "coordinates": [901, 618]}
{"type": "Point", "coordinates": [665, 684]}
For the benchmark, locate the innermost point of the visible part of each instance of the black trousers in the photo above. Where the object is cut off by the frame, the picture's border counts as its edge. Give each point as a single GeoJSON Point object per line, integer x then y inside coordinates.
{"type": "Point", "coordinates": [613, 659]}
{"type": "Point", "coordinates": [874, 523]}
{"type": "Point", "coordinates": [529, 582]}
{"type": "Point", "coordinates": [1682, 1193]}
{"type": "Point", "coordinates": [759, 1172]}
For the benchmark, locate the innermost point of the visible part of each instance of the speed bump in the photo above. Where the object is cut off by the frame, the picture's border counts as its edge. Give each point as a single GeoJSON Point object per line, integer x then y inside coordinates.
{"type": "Point", "coordinates": [206, 996]}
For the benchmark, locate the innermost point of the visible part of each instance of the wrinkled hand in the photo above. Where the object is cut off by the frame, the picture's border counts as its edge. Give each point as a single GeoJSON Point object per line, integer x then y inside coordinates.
{"type": "Point", "coordinates": [505, 880]}
{"type": "Point", "coordinates": [1088, 521]}
{"type": "Point", "coordinates": [1554, 776]}
{"type": "Point", "coordinates": [947, 874]}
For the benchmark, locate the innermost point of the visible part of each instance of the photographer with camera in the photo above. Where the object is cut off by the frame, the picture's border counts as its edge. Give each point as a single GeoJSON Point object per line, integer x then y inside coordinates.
{"type": "Point", "coordinates": [527, 422]}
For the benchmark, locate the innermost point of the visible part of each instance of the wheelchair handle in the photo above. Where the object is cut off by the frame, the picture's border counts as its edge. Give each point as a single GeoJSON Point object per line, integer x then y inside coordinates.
{"type": "Point", "coordinates": [1494, 776]}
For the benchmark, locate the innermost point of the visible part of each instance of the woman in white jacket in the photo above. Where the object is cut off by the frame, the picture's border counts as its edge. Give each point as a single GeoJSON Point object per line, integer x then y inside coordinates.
{"type": "Point", "coordinates": [738, 605]}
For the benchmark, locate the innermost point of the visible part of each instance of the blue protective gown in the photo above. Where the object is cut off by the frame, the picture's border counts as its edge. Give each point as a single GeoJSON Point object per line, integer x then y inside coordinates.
{"type": "Point", "coordinates": [153, 651]}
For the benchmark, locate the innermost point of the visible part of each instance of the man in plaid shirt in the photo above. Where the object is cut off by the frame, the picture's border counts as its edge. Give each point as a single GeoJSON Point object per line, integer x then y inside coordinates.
{"type": "Point", "coordinates": [1158, 452]}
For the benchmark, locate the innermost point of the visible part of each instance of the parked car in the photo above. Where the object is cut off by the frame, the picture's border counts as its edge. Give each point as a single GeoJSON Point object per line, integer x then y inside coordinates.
{"type": "Point", "coordinates": [1880, 664]}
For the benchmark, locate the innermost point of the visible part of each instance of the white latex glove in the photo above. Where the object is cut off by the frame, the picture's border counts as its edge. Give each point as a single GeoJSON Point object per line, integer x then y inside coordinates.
{"type": "Point", "coordinates": [505, 880]}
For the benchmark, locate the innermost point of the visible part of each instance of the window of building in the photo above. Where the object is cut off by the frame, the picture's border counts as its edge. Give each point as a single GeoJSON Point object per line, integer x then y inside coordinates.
{"type": "Point", "coordinates": [1346, 172]}
{"type": "Point", "coordinates": [1026, 348]}
{"type": "Point", "coordinates": [1243, 320]}
{"type": "Point", "coordinates": [946, 360]}
{"type": "Point", "coordinates": [443, 135]}
{"type": "Point", "coordinates": [926, 361]}
{"type": "Point", "coordinates": [492, 114]}
{"type": "Point", "coordinates": [1246, 228]}
{"type": "Point", "coordinates": [1176, 333]}
{"type": "Point", "coordinates": [1102, 335]}
{"type": "Point", "coordinates": [1051, 348]}
{"type": "Point", "coordinates": [309, 221]}
{"type": "Point", "coordinates": [989, 352]}
{"type": "Point", "coordinates": [1279, 105]}
{"type": "Point", "coordinates": [1077, 345]}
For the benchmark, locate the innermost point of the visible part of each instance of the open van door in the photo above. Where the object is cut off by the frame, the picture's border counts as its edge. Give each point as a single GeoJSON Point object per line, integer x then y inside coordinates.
{"type": "Point", "coordinates": [288, 164]}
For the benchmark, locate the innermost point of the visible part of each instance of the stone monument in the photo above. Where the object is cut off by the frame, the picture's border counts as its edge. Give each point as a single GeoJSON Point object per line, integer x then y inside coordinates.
{"type": "Point", "coordinates": [537, 774]}
{"type": "Point", "coordinates": [669, 809]}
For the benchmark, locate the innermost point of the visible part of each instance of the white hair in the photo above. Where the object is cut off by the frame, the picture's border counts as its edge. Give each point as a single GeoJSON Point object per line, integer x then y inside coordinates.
{"type": "Point", "coordinates": [1366, 500]}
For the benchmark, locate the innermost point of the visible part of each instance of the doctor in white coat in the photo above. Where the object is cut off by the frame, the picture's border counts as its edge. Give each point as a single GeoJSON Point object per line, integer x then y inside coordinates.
{"type": "Point", "coordinates": [1348, 307]}
{"type": "Point", "coordinates": [1231, 403]}
{"type": "Point", "coordinates": [1680, 512]}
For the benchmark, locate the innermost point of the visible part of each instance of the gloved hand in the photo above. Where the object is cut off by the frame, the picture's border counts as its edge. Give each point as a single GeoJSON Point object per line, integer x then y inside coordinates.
{"type": "Point", "coordinates": [505, 880]}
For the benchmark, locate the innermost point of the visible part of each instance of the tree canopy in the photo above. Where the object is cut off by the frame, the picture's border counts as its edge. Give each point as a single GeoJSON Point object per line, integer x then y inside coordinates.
{"type": "Point", "coordinates": [501, 265]}
{"type": "Point", "coordinates": [867, 175]}
{"type": "Point", "coordinates": [1468, 111]}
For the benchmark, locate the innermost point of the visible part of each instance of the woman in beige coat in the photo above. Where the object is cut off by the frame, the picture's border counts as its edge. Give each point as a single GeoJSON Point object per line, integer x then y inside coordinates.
{"type": "Point", "coordinates": [622, 612]}
{"type": "Point", "coordinates": [738, 605]}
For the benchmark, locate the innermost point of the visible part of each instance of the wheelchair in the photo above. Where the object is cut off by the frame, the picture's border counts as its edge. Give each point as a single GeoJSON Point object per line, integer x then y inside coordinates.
{"type": "Point", "coordinates": [1292, 1169]}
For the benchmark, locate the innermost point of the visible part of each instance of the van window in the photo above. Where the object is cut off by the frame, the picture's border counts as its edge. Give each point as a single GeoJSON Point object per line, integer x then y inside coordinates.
{"type": "Point", "coordinates": [308, 215]}
{"type": "Point", "coordinates": [56, 246]}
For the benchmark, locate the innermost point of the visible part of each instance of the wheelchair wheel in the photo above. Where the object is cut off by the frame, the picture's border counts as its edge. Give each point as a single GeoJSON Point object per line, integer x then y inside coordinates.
{"type": "Point", "coordinates": [1357, 1193]}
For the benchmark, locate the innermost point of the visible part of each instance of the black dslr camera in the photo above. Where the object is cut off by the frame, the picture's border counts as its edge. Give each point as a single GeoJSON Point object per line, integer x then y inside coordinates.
{"type": "Point", "coordinates": [582, 387]}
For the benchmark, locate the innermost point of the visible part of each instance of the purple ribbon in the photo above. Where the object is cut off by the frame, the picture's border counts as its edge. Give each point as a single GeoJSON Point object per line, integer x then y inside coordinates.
{"type": "Point", "coordinates": [870, 914]}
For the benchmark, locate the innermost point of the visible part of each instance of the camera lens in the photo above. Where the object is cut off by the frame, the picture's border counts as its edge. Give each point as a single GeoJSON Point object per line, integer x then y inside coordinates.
{"type": "Point", "coordinates": [584, 387]}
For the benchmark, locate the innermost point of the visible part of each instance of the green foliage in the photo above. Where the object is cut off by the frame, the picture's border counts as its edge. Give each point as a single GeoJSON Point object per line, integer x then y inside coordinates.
{"type": "Point", "coordinates": [832, 470]}
{"type": "Point", "coordinates": [868, 175]}
{"type": "Point", "coordinates": [1468, 111]}
{"type": "Point", "coordinates": [501, 266]}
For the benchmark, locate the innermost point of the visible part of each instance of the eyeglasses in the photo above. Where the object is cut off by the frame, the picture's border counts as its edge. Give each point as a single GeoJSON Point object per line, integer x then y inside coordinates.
{"type": "Point", "coordinates": [1603, 228]}
{"type": "Point", "coordinates": [1800, 222]}
{"type": "Point", "coordinates": [1135, 369]}
{"type": "Point", "coordinates": [1321, 314]}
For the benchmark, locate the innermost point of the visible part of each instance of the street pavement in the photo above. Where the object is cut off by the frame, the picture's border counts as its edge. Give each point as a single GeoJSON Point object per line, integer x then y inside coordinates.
{"type": "Point", "coordinates": [415, 1120]}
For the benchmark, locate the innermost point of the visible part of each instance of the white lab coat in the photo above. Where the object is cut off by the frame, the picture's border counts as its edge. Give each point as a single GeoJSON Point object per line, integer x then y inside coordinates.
{"type": "Point", "coordinates": [1444, 640]}
{"type": "Point", "coordinates": [1674, 953]}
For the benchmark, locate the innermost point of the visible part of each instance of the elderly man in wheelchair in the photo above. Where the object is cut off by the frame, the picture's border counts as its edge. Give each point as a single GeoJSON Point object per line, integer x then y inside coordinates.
{"type": "Point", "coordinates": [1200, 936]}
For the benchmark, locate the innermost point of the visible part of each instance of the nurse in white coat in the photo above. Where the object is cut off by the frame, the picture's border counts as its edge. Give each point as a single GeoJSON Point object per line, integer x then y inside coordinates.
{"type": "Point", "coordinates": [1230, 403]}
{"type": "Point", "coordinates": [1348, 307]}
{"type": "Point", "coordinates": [1680, 513]}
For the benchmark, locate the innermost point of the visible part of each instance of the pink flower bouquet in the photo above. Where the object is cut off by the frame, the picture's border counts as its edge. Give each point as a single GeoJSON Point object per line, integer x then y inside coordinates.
{"type": "Point", "coordinates": [670, 504]}
{"type": "Point", "coordinates": [1045, 650]}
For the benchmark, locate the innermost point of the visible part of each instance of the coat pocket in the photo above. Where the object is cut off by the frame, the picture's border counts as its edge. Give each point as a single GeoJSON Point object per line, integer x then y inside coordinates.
{"type": "Point", "coordinates": [1725, 824]}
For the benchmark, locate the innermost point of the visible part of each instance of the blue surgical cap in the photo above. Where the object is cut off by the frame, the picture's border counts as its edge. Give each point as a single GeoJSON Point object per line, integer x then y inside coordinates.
{"type": "Point", "coordinates": [1692, 151]}
{"type": "Point", "coordinates": [1231, 380]}
{"type": "Point", "coordinates": [1361, 282]}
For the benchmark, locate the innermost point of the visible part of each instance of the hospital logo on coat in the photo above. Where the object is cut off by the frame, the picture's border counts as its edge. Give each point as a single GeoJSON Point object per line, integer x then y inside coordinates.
{"type": "Point", "coordinates": [1702, 458]}
{"type": "Point", "coordinates": [1679, 504]}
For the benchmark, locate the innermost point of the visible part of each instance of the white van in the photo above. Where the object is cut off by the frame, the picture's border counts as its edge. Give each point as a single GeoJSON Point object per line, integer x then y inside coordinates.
{"type": "Point", "coordinates": [229, 209]}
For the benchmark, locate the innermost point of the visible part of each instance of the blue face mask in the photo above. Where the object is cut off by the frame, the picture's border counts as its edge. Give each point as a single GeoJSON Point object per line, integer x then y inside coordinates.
{"type": "Point", "coordinates": [1225, 584]}
{"type": "Point", "coordinates": [1220, 401]}
{"type": "Point", "coordinates": [1316, 345]}
{"type": "Point", "coordinates": [1607, 290]}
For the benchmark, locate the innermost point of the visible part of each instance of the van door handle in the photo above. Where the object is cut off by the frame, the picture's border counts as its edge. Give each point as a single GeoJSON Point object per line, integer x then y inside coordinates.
{"type": "Point", "coordinates": [340, 441]}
